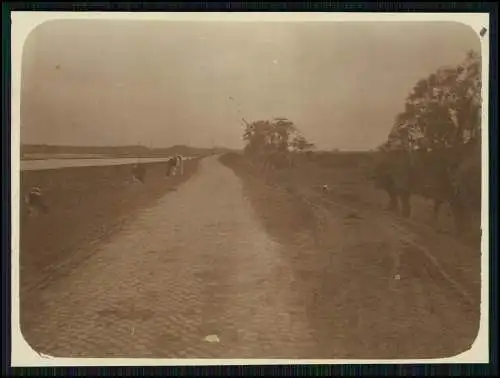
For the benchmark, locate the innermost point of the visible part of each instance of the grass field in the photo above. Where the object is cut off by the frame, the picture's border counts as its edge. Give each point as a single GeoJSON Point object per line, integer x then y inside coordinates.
{"type": "Point", "coordinates": [347, 246]}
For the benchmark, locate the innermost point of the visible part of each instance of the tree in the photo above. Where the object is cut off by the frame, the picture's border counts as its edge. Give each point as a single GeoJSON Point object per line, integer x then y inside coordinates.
{"type": "Point", "coordinates": [444, 109]}
{"type": "Point", "coordinates": [283, 129]}
{"type": "Point", "coordinates": [300, 144]}
{"type": "Point", "coordinates": [439, 130]}
{"type": "Point", "coordinates": [272, 142]}
{"type": "Point", "coordinates": [257, 137]}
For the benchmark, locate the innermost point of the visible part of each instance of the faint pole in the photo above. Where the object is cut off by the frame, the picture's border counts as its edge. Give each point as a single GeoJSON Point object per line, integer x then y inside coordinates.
{"type": "Point", "coordinates": [122, 134]}
{"type": "Point", "coordinates": [238, 109]}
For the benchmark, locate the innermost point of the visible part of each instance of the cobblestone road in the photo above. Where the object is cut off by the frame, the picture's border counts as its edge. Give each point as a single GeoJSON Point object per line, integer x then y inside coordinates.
{"type": "Point", "coordinates": [196, 264]}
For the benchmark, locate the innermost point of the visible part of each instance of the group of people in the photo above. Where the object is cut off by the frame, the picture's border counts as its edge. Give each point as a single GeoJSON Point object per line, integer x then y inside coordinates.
{"type": "Point", "coordinates": [445, 176]}
{"type": "Point", "coordinates": [175, 166]}
{"type": "Point", "coordinates": [36, 204]}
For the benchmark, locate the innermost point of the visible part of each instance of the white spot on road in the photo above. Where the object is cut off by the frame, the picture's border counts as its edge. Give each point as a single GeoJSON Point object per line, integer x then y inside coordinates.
{"type": "Point", "coordinates": [212, 338]}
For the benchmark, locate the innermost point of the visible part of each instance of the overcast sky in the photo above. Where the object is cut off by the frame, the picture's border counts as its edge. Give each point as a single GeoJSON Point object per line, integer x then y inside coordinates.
{"type": "Point", "coordinates": [163, 83]}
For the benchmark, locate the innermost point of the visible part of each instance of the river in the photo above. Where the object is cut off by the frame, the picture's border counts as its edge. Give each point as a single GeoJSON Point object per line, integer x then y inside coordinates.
{"type": "Point", "coordinates": [27, 165]}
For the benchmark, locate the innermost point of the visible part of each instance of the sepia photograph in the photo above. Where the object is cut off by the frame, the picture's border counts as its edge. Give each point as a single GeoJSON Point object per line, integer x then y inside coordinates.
{"type": "Point", "coordinates": [204, 189]}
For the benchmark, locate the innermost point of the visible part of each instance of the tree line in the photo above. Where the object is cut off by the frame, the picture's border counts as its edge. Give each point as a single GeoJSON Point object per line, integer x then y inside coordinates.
{"type": "Point", "coordinates": [432, 150]}
{"type": "Point", "coordinates": [273, 143]}
{"type": "Point", "coordinates": [434, 146]}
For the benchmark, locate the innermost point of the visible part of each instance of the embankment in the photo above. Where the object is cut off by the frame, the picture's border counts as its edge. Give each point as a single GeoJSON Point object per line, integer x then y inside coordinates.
{"type": "Point", "coordinates": [375, 285]}
{"type": "Point", "coordinates": [86, 205]}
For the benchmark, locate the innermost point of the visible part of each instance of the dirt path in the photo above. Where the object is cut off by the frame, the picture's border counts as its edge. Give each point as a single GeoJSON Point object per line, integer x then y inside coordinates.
{"type": "Point", "coordinates": [196, 264]}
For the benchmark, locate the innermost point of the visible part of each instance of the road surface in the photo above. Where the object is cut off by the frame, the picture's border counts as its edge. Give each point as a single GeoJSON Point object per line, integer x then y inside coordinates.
{"type": "Point", "coordinates": [197, 276]}
{"type": "Point", "coordinates": [196, 264]}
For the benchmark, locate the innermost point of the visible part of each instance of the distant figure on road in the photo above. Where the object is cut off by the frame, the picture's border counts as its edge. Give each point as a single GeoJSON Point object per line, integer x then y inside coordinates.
{"type": "Point", "coordinates": [180, 164]}
{"type": "Point", "coordinates": [175, 165]}
{"type": "Point", "coordinates": [171, 163]}
{"type": "Point", "coordinates": [35, 202]}
{"type": "Point", "coordinates": [139, 172]}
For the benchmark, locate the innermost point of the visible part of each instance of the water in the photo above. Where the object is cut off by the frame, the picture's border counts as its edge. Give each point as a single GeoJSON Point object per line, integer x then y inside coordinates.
{"type": "Point", "coordinates": [28, 165]}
